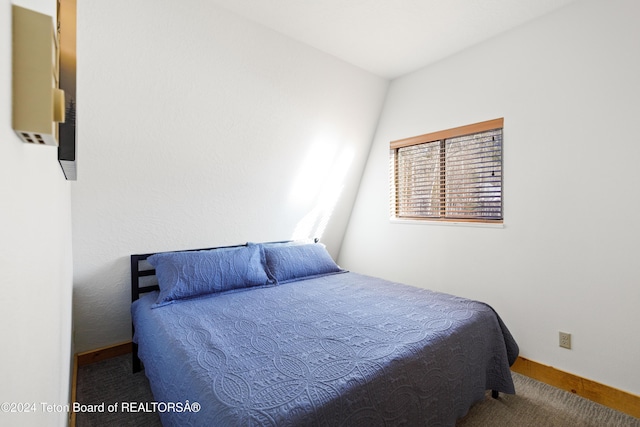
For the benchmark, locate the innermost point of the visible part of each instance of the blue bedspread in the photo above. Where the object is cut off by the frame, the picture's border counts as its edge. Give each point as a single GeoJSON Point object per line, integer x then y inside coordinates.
{"type": "Point", "coordinates": [339, 350]}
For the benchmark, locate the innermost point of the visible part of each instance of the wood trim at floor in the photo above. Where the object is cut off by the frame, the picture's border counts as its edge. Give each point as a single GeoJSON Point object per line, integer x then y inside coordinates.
{"type": "Point", "coordinates": [74, 390]}
{"type": "Point", "coordinates": [605, 395]}
{"type": "Point", "coordinates": [104, 353]}
{"type": "Point", "coordinates": [608, 396]}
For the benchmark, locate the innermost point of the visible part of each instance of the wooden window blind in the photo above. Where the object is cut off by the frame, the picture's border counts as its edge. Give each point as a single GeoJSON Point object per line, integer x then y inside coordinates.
{"type": "Point", "coordinates": [451, 175]}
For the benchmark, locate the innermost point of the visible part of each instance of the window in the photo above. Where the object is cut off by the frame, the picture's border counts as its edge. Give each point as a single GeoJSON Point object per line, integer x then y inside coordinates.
{"type": "Point", "coordinates": [451, 175]}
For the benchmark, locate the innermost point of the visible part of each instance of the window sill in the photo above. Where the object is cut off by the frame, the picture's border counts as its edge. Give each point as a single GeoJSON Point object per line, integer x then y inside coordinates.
{"type": "Point", "coordinates": [446, 223]}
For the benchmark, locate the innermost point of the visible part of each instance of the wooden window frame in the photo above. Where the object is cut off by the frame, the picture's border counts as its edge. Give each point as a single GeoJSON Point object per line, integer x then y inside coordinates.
{"type": "Point", "coordinates": [441, 136]}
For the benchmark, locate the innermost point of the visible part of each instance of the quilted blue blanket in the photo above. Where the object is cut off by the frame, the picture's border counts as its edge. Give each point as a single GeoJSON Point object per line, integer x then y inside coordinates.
{"type": "Point", "coordinates": [338, 350]}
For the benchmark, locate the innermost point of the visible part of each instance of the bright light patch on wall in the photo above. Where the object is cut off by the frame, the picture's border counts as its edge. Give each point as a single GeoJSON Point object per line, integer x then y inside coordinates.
{"type": "Point", "coordinates": [313, 173]}
{"type": "Point", "coordinates": [319, 185]}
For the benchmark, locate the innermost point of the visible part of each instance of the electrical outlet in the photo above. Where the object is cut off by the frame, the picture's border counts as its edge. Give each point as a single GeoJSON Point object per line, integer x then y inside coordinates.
{"type": "Point", "coordinates": [565, 340]}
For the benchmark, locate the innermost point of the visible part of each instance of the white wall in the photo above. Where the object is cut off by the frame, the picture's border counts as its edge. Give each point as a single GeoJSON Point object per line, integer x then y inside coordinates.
{"type": "Point", "coordinates": [35, 261]}
{"type": "Point", "coordinates": [196, 129]}
{"type": "Point", "coordinates": [567, 258]}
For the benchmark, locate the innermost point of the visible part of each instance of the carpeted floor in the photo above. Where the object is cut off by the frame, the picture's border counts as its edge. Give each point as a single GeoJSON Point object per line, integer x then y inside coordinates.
{"type": "Point", "coordinates": [540, 405]}
{"type": "Point", "coordinates": [112, 381]}
{"type": "Point", "coordinates": [535, 404]}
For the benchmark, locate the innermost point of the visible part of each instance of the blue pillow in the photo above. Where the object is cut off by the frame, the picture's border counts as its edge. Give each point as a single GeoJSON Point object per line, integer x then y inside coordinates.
{"type": "Point", "coordinates": [184, 275]}
{"type": "Point", "coordinates": [288, 263]}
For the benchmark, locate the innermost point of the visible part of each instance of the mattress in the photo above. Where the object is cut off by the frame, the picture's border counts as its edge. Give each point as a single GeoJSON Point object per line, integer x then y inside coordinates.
{"type": "Point", "coordinates": [339, 350]}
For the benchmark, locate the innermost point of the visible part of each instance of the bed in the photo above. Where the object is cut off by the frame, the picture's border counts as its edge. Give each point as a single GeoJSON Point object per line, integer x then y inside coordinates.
{"type": "Point", "coordinates": [277, 334]}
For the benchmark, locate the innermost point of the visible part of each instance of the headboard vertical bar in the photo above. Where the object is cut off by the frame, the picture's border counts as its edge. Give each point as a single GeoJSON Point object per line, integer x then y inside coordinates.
{"type": "Point", "coordinates": [135, 294]}
{"type": "Point", "coordinates": [135, 278]}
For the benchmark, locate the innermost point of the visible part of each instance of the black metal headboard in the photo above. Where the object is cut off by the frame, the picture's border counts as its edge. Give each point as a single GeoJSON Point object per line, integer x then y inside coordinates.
{"type": "Point", "coordinates": [139, 270]}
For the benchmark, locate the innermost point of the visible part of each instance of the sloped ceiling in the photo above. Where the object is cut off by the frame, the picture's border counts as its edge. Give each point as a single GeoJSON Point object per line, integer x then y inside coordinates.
{"type": "Point", "coordinates": [391, 37]}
